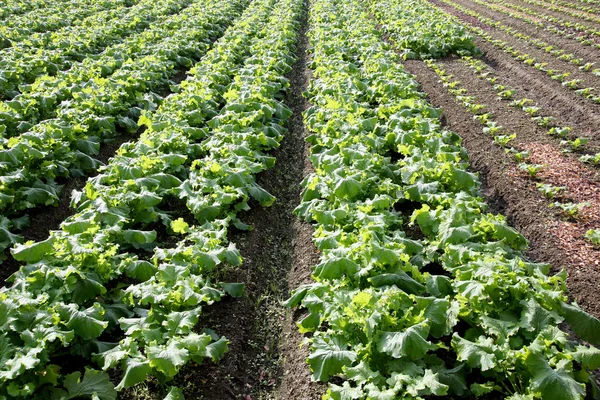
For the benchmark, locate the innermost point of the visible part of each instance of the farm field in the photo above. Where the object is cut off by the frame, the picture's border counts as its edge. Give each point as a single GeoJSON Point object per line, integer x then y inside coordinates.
{"type": "Point", "coordinates": [300, 199]}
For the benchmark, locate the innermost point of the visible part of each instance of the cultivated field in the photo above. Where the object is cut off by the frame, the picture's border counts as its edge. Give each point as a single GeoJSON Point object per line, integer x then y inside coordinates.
{"type": "Point", "coordinates": [300, 199]}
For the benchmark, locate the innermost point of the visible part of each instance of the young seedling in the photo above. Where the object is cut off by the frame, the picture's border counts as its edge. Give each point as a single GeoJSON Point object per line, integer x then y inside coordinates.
{"type": "Point", "coordinates": [506, 94]}
{"type": "Point", "coordinates": [573, 83]}
{"type": "Point", "coordinates": [550, 191]}
{"type": "Point", "coordinates": [504, 140]}
{"type": "Point", "coordinates": [572, 210]}
{"type": "Point", "coordinates": [484, 118]}
{"type": "Point", "coordinates": [531, 169]}
{"type": "Point", "coordinates": [492, 128]}
{"type": "Point", "coordinates": [574, 145]}
{"type": "Point", "coordinates": [590, 158]}
{"type": "Point", "coordinates": [544, 121]}
{"type": "Point", "coordinates": [586, 67]}
{"type": "Point", "coordinates": [519, 156]}
{"type": "Point", "coordinates": [586, 92]}
{"type": "Point", "coordinates": [560, 132]}
{"type": "Point", "coordinates": [593, 235]}
{"type": "Point", "coordinates": [531, 110]}
{"type": "Point", "coordinates": [521, 103]}
{"type": "Point", "coordinates": [559, 77]}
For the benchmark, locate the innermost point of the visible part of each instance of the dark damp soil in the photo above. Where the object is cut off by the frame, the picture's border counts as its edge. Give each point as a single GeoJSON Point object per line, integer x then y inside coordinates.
{"type": "Point", "coordinates": [264, 359]}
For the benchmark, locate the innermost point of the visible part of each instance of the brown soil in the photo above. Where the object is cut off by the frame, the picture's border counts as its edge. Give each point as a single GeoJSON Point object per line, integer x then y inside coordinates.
{"type": "Point", "coordinates": [570, 45]}
{"type": "Point", "coordinates": [523, 47]}
{"type": "Point", "coordinates": [556, 14]}
{"type": "Point", "coordinates": [504, 185]}
{"type": "Point", "coordinates": [560, 102]}
{"type": "Point", "coordinates": [264, 359]}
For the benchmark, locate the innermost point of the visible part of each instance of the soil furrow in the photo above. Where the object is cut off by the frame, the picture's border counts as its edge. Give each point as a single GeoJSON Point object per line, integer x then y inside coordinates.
{"type": "Point", "coordinates": [557, 14]}
{"type": "Point", "coordinates": [296, 380]}
{"type": "Point", "coordinates": [570, 45]}
{"type": "Point", "coordinates": [510, 193]}
{"type": "Point", "coordinates": [588, 80]}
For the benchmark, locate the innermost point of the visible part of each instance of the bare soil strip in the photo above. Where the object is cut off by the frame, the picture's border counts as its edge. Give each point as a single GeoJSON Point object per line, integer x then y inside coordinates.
{"type": "Point", "coordinates": [296, 380]}
{"type": "Point", "coordinates": [588, 80]}
{"type": "Point", "coordinates": [582, 115]}
{"type": "Point", "coordinates": [570, 45]}
{"type": "Point", "coordinates": [562, 15]}
{"type": "Point", "coordinates": [509, 192]}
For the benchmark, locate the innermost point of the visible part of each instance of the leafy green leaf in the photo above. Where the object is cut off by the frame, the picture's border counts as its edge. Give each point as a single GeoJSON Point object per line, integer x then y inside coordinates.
{"type": "Point", "coordinates": [553, 384]}
{"type": "Point", "coordinates": [411, 343]}
{"type": "Point", "coordinates": [329, 357]}
{"type": "Point", "coordinates": [585, 325]}
{"type": "Point", "coordinates": [95, 384]}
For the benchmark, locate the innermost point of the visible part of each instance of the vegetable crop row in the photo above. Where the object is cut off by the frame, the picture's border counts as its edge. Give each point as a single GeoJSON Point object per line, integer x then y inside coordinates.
{"type": "Point", "coordinates": [505, 139]}
{"type": "Point", "coordinates": [204, 144]}
{"type": "Point", "coordinates": [550, 27]}
{"type": "Point", "coordinates": [13, 8]}
{"type": "Point", "coordinates": [582, 39]}
{"type": "Point", "coordinates": [65, 146]}
{"type": "Point", "coordinates": [51, 18]}
{"type": "Point", "coordinates": [537, 114]}
{"type": "Point", "coordinates": [576, 6]}
{"type": "Point", "coordinates": [432, 39]}
{"type": "Point", "coordinates": [572, 13]}
{"type": "Point", "coordinates": [419, 292]}
{"type": "Point", "coordinates": [22, 65]}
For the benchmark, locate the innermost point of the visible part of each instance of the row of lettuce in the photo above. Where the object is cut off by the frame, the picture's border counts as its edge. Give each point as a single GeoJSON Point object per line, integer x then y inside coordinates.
{"type": "Point", "coordinates": [419, 292]}
{"type": "Point", "coordinates": [42, 55]}
{"type": "Point", "coordinates": [49, 17]}
{"type": "Point", "coordinates": [93, 102]}
{"type": "Point", "coordinates": [123, 284]}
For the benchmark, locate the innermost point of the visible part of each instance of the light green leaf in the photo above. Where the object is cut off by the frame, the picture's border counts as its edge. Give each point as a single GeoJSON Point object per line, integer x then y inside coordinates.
{"type": "Point", "coordinates": [553, 384]}
{"type": "Point", "coordinates": [588, 357]}
{"type": "Point", "coordinates": [411, 343]}
{"type": "Point", "coordinates": [167, 359]}
{"type": "Point", "coordinates": [585, 325]}
{"type": "Point", "coordinates": [32, 252]}
{"type": "Point", "coordinates": [477, 355]}
{"type": "Point", "coordinates": [329, 357]}
{"type": "Point", "coordinates": [135, 371]}
{"type": "Point", "coordinates": [174, 394]}
{"type": "Point", "coordinates": [347, 188]}
{"type": "Point", "coordinates": [95, 384]}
